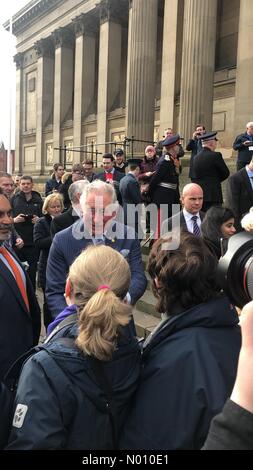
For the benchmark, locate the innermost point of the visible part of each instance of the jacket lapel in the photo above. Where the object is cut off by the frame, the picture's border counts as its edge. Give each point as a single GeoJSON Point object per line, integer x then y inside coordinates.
{"type": "Point", "coordinates": [248, 184]}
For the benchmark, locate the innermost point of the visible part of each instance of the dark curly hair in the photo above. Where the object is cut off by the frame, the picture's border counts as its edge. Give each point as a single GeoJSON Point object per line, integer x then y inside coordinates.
{"type": "Point", "coordinates": [185, 277]}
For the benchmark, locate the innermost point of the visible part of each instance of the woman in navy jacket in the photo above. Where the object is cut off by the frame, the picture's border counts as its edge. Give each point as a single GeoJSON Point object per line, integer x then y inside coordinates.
{"type": "Point", "coordinates": [190, 360]}
{"type": "Point", "coordinates": [53, 206]}
{"type": "Point", "coordinates": [60, 403]}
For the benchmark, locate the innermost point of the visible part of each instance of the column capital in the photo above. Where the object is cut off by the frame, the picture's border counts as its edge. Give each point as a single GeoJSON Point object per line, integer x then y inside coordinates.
{"type": "Point", "coordinates": [19, 59]}
{"type": "Point", "coordinates": [63, 37]}
{"type": "Point", "coordinates": [84, 24]}
{"type": "Point", "coordinates": [110, 10]}
{"type": "Point", "coordinates": [44, 48]}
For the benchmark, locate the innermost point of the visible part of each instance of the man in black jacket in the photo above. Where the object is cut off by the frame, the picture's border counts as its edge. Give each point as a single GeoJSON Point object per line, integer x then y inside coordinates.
{"type": "Point", "coordinates": [195, 146]}
{"type": "Point", "coordinates": [240, 193]}
{"type": "Point", "coordinates": [55, 183]}
{"type": "Point", "coordinates": [210, 170]}
{"type": "Point", "coordinates": [244, 145]}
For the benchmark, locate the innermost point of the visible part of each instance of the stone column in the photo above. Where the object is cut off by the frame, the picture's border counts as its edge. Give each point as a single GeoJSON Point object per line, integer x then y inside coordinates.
{"type": "Point", "coordinates": [63, 83]}
{"type": "Point", "coordinates": [198, 63]}
{"type": "Point", "coordinates": [18, 58]}
{"type": "Point", "coordinates": [142, 71]}
{"type": "Point", "coordinates": [84, 87]}
{"type": "Point", "coordinates": [171, 61]}
{"type": "Point", "coordinates": [45, 93]}
{"type": "Point", "coordinates": [243, 96]}
{"type": "Point", "coordinates": [109, 67]}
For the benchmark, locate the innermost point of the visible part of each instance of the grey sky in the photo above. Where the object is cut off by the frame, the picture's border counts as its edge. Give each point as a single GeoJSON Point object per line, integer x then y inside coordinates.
{"type": "Point", "coordinates": [7, 76]}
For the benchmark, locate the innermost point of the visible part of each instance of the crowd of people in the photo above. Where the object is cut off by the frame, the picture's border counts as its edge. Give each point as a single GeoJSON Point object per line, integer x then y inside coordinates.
{"type": "Point", "coordinates": [95, 386]}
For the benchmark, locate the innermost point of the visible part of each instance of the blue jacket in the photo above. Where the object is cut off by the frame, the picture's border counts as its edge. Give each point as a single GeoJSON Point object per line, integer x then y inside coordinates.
{"type": "Point", "coordinates": [189, 368]}
{"type": "Point", "coordinates": [69, 243]}
{"type": "Point", "coordinates": [65, 405]}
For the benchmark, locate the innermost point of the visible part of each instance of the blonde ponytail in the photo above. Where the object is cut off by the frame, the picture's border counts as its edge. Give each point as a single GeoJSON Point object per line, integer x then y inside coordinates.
{"type": "Point", "coordinates": [101, 312]}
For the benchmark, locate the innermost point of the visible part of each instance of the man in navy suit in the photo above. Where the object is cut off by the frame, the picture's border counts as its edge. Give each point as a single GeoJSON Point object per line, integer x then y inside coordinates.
{"type": "Point", "coordinates": [19, 310]}
{"type": "Point", "coordinates": [191, 200]}
{"type": "Point", "coordinates": [110, 174]}
{"type": "Point", "coordinates": [99, 226]}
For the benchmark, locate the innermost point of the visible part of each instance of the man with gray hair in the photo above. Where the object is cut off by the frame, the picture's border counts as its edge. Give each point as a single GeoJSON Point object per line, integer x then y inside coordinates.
{"type": "Point", "coordinates": [244, 145]}
{"type": "Point", "coordinates": [99, 226]}
{"type": "Point", "coordinates": [74, 212]}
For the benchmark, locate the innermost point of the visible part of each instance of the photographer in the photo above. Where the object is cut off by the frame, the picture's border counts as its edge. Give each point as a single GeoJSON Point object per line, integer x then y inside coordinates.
{"type": "Point", "coordinates": [27, 209]}
{"type": "Point", "coordinates": [195, 146]}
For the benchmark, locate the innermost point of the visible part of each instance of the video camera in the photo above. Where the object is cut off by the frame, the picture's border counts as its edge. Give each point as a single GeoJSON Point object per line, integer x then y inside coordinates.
{"type": "Point", "coordinates": [235, 269]}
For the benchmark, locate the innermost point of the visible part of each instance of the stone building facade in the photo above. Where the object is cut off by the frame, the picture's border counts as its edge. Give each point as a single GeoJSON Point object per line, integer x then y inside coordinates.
{"type": "Point", "coordinates": [96, 71]}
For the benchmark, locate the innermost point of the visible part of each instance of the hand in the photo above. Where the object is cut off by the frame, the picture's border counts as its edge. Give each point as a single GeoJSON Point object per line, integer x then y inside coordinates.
{"type": "Point", "coordinates": [247, 142]}
{"type": "Point", "coordinates": [19, 243]}
{"type": "Point", "coordinates": [19, 219]}
{"type": "Point", "coordinates": [195, 135]}
{"type": "Point", "coordinates": [243, 390]}
{"type": "Point", "coordinates": [149, 173]}
{"type": "Point", "coordinates": [34, 219]}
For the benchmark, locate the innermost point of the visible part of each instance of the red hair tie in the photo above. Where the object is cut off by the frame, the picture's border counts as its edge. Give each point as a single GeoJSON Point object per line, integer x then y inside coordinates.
{"type": "Point", "coordinates": [68, 288]}
{"type": "Point", "coordinates": [103, 286]}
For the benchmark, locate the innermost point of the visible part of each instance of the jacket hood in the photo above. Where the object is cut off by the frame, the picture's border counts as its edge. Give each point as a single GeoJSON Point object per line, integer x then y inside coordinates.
{"type": "Point", "coordinates": [122, 371]}
{"type": "Point", "coordinates": [208, 315]}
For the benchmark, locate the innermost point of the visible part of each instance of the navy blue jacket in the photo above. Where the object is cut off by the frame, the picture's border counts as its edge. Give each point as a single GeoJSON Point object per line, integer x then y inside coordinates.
{"type": "Point", "coordinates": [52, 185]}
{"type": "Point", "coordinates": [66, 406]}
{"type": "Point", "coordinates": [189, 368]}
{"type": "Point", "coordinates": [244, 154]}
{"type": "Point", "coordinates": [69, 243]}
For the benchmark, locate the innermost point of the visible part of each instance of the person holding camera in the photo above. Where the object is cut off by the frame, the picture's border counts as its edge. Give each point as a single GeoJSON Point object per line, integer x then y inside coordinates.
{"type": "Point", "coordinates": [27, 209]}
{"type": "Point", "coordinates": [195, 146]}
{"type": "Point", "coordinates": [190, 359]}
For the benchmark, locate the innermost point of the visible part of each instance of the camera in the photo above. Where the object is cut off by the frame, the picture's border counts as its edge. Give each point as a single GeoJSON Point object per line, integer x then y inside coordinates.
{"type": "Point", "coordinates": [28, 217]}
{"type": "Point", "coordinates": [235, 269]}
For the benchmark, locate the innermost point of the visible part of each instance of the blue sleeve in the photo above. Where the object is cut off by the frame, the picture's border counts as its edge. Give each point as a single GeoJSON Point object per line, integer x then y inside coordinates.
{"type": "Point", "coordinates": [56, 275]}
{"type": "Point", "coordinates": [138, 279]}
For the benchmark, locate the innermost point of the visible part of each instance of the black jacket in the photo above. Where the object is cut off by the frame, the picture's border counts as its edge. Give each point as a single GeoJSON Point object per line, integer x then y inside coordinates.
{"type": "Point", "coordinates": [239, 195]}
{"type": "Point", "coordinates": [210, 170]}
{"type": "Point", "coordinates": [244, 154]}
{"type": "Point", "coordinates": [232, 429]}
{"type": "Point", "coordinates": [63, 221]}
{"type": "Point", "coordinates": [194, 146]}
{"type": "Point", "coordinates": [21, 206]}
{"type": "Point", "coordinates": [67, 398]}
{"type": "Point", "coordinates": [189, 369]}
{"type": "Point", "coordinates": [42, 240]}
{"type": "Point", "coordinates": [52, 185]}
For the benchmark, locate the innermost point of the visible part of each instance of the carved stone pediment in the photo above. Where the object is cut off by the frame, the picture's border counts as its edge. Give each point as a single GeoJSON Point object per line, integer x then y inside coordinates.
{"type": "Point", "coordinates": [63, 37]}
{"type": "Point", "coordinates": [19, 60]}
{"type": "Point", "coordinates": [44, 48]}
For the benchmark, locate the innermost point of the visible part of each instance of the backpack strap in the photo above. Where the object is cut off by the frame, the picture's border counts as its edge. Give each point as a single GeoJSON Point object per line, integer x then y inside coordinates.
{"type": "Point", "coordinates": [70, 320]}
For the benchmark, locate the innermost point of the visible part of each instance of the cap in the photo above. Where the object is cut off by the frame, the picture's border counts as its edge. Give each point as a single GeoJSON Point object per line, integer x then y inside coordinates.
{"type": "Point", "coordinates": [119, 152]}
{"type": "Point", "coordinates": [134, 161]}
{"type": "Point", "coordinates": [208, 136]}
{"type": "Point", "coordinates": [170, 141]}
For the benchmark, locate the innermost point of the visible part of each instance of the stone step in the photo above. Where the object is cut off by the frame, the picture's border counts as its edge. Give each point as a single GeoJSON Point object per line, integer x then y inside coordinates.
{"type": "Point", "coordinates": [144, 323]}
{"type": "Point", "coordinates": [147, 303]}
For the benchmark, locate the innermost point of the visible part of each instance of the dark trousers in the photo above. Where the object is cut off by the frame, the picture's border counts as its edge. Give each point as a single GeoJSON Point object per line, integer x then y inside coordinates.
{"type": "Point", "coordinates": [46, 312]}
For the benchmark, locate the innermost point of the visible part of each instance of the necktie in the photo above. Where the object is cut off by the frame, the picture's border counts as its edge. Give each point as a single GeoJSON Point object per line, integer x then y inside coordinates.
{"type": "Point", "coordinates": [196, 229]}
{"type": "Point", "coordinates": [17, 275]}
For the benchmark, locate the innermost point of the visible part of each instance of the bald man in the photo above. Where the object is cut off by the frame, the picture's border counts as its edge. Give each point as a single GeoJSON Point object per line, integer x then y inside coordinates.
{"type": "Point", "coordinates": [192, 201]}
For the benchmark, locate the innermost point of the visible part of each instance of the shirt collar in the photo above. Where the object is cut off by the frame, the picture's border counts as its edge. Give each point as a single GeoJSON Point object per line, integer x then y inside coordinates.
{"type": "Point", "coordinates": [189, 216]}
{"type": "Point", "coordinates": [249, 172]}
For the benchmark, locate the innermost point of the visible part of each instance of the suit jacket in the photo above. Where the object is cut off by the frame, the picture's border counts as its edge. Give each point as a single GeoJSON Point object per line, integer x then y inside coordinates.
{"type": "Point", "coordinates": [63, 221]}
{"type": "Point", "coordinates": [130, 190]}
{"type": "Point", "coordinates": [117, 176]}
{"type": "Point", "coordinates": [210, 170]}
{"type": "Point", "coordinates": [69, 243]}
{"type": "Point", "coordinates": [239, 195]}
{"type": "Point", "coordinates": [167, 224]}
{"type": "Point", "coordinates": [20, 329]}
